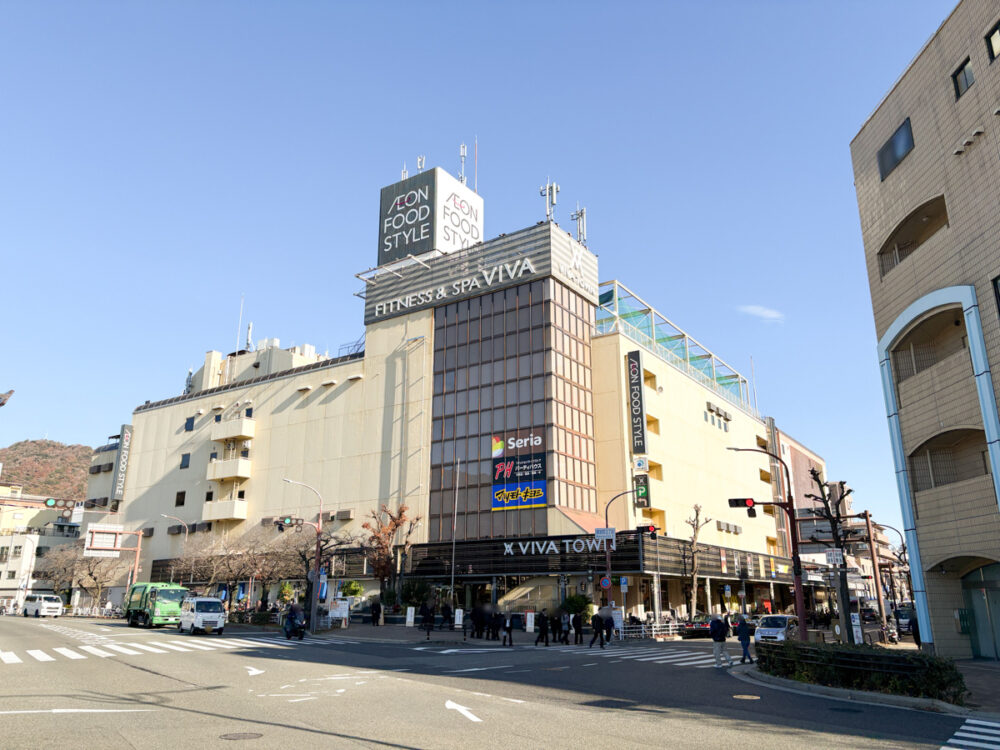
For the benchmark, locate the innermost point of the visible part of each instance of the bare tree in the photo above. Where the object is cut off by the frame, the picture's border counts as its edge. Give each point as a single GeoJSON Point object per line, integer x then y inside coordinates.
{"type": "Point", "coordinates": [58, 566]}
{"type": "Point", "coordinates": [66, 567]}
{"type": "Point", "coordinates": [378, 547]}
{"type": "Point", "coordinates": [696, 523]}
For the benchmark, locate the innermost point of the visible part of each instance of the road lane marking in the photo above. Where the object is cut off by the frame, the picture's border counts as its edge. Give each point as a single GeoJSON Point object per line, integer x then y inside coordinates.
{"type": "Point", "coordinates": [40, 655]}
{"type": "Point", "coordinates": [122, 649]}
{"type": "Point", "coordinates": [192, 645]}
{"type": "Point", "coordinates": [69, 653]}
{"type": "Point", "coordinates": [251, 671]}
{"type": "Point", "coordinates": [81, 711]}
{"type": "Point", "coordinates": [478, 669]}
{"type": "Point", "coordinates": [171, 646]}
{"type": "Point", "coordinates": [299, 700]}
{"type": "Point", "coordinates": [451, 705]}
{"type": "Point", "coordinates": [144, 647]}
{"type": "Point", "coordinates": [9, 657]}
{"type": "Point", "coordinates": [96, 651]}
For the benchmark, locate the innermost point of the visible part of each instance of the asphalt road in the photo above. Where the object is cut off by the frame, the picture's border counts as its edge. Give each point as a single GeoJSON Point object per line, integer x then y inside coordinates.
{"type": "Point", "coordinates": [72, 683]}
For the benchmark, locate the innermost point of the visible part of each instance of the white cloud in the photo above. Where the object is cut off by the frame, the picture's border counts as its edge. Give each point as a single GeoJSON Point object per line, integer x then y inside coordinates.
{"type": "Point", "coordinates": [764, 313]}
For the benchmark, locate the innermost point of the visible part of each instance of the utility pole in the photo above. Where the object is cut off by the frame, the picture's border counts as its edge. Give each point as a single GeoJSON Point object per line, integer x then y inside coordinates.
{"type": "Point", "coordinates": [607, 549]}
{"type": "Point", "coordinates": [318, 526]}
{"type": "Point", "coordinates": [877, 575]}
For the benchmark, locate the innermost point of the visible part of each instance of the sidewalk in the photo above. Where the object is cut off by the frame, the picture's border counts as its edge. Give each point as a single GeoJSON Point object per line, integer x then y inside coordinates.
{"type": "Point", "coordinates": [982, 678]}
{"type": "Point", "coordinates": [390, 634]}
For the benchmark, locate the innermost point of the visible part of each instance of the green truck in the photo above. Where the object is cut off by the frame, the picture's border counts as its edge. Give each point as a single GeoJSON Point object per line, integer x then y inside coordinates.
{"type": "Point", "coordinates": [152, 604]}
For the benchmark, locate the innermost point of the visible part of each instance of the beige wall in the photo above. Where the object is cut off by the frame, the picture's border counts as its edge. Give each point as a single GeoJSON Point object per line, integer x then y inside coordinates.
{"type": "Point", "coordinates": [696, 467]}
{"type": "Point", "coordinates": [360, 443]}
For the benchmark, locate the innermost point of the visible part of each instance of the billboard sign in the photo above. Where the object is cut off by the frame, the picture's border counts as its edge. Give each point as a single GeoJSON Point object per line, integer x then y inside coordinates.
{"type": "Point", "coordinates": [518, 471]}
{"type": "Point", "coordinates": [121, 466]}
{"type": "Point", "coordinates": [428, 211]}
{"type": "Point", "coordinates": [636, 407]}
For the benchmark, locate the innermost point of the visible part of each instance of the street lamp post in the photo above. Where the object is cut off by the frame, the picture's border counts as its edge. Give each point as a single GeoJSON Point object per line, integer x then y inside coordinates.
{"type": "Point", "coordinates": [789, 507]}
{"type": "Point", "coordinates": [607, 549]}
{"type": "Point", "coordinates": [313, 624]}
{"type": "Point", "coordinates": [184, 524]}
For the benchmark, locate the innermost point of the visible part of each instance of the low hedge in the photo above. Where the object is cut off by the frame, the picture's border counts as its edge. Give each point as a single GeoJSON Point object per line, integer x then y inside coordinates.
{"type": "Point", "coordinates": [870, 668]}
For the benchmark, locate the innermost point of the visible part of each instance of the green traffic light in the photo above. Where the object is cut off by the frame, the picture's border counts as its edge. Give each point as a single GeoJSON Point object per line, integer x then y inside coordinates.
{"type": "Point", "coordinates": [50, 502]}
{"type": "Point", "coordinates": [287, 521]}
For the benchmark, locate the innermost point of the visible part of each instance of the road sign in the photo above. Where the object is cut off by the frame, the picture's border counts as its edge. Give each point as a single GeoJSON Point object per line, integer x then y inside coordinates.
{"type": "Point", "coordinates": [605, 582]}
{"type": "Point", "coordinates": [605, 534]}
{"type": "Point", "coordinates": [623, 580]}
{"type": "Point", "coordinates": [741, 594]}
{"type": "Point", "coordinates": [103, 539]}
{"type": "Point", "coordinates": [641, 463]}
{"type": "Point", "coordinates": [834, 557]}
{"type": "Point", "coordinates": [728, 589]}
{"type": "Point", "coordinates": [859, 637]}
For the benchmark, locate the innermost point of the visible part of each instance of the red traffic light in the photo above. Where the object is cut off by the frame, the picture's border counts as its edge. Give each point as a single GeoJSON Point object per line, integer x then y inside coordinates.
{"type": "Point", "coordinates": [646, 528]}
{"type": "Point", "coordinates": [741, 502]}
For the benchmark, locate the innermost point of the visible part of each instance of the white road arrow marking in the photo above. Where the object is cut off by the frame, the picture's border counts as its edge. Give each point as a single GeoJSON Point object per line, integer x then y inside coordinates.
{"type": "Point", "coordinates": [251, 671]}
{"type": "Point", "coordinates": [462, 710]}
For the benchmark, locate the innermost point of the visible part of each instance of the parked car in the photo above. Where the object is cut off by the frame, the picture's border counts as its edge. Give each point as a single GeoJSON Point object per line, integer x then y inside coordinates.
{"type": "Point", "coordinates": [204, 613]}
{"type": "Point", "coordinates": [773, 628]}
{"type": "Point", "coordinates": [868, 614]}
{"type": "Point", "coordinates": [903, 616]}
{"type": "Point", "coordinates": [42, 605]}
{"type": "Point", "coordinates": [698, 627]}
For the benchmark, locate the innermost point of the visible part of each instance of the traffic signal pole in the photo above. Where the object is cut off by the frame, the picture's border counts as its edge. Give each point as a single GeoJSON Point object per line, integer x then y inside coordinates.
{"type": "Point", "coordinates": [607, 549]}
{"type": "Point", "coordinates": [793, 532]}
{"type": "Point", "coordinates": [313, 624]}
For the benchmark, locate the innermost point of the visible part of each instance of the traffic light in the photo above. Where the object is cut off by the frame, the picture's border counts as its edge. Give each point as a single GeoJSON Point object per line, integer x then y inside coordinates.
{"type": "Point", "coordinates": [65, 506]}
{"type": "Point", "coordinates": [744, 502]}
{"type": "Point", "coordinates": [641, 484]}
{"type": "Point", "coordinates": [284, 521]}
{"type": "Point", "coordinates": [647, 528]}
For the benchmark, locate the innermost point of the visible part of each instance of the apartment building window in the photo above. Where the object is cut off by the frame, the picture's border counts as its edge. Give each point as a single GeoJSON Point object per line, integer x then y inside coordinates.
{"type": "Point", "coordinates": [189, 424]}
{"type": "Point", "coordinates": [185, 460]}
{"type": "Point", "coordinates": [993, 43]}
{"type": "Point", "coordinates": [653, 424]}
{"type": "Point", "coordinates": [179, 500]}
{"type": "Point", "coordinates": [241, 494]}
{"type": "Point", "coordinates": [962, 78]}
{"type": "Point", "coordinates": [895, 149]}
{"type": "Point", "coordinates": [218, 417]}
{"type": "Point", "coordinates": [249, 412]}
{"type": "Point", "coordinates": [16, 552]}
{"type": "Point", "coordinates": [208, 496]}
{"type": "Point", "coordinates": [10, 574]}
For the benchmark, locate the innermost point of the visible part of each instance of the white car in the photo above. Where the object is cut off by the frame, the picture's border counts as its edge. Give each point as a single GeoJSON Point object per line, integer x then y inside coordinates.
{"type": "Point", "coordinates": [204, 613]}
{"type": "Point", "coordinates": [776, 628]}
{"type": "Point", "coordinates": [42, 605]}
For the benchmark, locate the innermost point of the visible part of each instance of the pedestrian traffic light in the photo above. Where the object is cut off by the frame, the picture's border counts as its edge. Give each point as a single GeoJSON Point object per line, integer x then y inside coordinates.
{"type": "Point", "coordinates": [647, 528]}
{"type": "Point", "coordinates": [744, 502]}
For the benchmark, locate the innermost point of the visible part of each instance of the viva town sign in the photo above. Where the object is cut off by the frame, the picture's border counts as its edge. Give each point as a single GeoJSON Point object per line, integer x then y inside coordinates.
{"type": "Point", "coordinates": [551, 546]}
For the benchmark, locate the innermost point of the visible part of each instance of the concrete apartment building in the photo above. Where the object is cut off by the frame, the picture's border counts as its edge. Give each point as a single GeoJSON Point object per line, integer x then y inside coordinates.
{"type": "Point", "coordinates": [925, 166]}
{"type": "Point", "coordinates": [502, 391]}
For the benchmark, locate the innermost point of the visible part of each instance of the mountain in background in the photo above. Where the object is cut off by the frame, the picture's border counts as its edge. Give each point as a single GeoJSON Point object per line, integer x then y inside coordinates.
{"type": "Point", "coordinates": [45, 467]}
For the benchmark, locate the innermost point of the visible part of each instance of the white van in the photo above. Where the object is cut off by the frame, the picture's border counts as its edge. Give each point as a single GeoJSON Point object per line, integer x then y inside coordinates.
{"type": "Point", "coordinates": [42, 605]}
{"type": "Point", "coordinates": [204, 613]}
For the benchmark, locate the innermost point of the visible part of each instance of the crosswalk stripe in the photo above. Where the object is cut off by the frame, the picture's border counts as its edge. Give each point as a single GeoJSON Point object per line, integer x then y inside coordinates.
{"type": "Point", "coordinates": [645, 655]}
{"type": "Point", "coordinates": [69, 653]}
{"type": "Point", "coordinates": [40, 655]}
{"type": "Point", "coordinates": [237, 642]}
{"type": "Point", "coordinates": [669, 657]}
{"type": "Point", "coordinates": [189, 644]}
{"type": "Point", "coordinates": [171, 646]}
{"type": "Point", "coordinates": [684, 662]}
{"type": "Point", "coordinates": [96, 651]}
{"type": "Point", "coordinates": [221, 644]}
{"type": "Point", "coordinates": [969, 743]}
{"type": "Point", "coordinates": [980, 722]}
{"type": "Point", "coordinates": [144, 647]}
{"type": "Point", "coordinates": [9, 657]}
{"type": "Point", "coordinates": [122, 649]}
{"type": "Point", "coordinates": [986, 734]}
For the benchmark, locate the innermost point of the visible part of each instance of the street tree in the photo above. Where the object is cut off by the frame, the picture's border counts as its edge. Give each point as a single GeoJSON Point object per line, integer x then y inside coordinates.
{"type": "Point", "coordinates": [831, 509]}
{"type": "Point", "coordinates": [383, 528]}
{"type": "Point", "coordinates": [66, 567]}
{"type": "Point", "coordinates": [696, 522]}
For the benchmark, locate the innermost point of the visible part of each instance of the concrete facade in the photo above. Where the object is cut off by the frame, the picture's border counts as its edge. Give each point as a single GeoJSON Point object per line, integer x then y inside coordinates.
{"type": "Point", "coordinates": [927, 203]}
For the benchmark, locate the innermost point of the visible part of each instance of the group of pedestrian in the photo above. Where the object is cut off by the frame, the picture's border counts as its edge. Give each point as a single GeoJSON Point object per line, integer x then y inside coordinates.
{"type": "Point", "coordinates": [559, 624]}
{"type": "Point", "coordinates": [602, 622]}
{"type": "Point", "coordinates": [720, 629]}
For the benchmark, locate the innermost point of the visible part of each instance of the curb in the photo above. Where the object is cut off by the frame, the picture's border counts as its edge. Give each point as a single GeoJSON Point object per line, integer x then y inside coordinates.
{"type": "Point", "coordinates": [752, 675]}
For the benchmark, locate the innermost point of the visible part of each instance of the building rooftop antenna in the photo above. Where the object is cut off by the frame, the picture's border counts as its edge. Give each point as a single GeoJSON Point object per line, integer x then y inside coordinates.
{"type": "Point", "coordinates": [404, 174]}
{"type": "Point", "coordinates": [249, 346]}
{"type": "Point", "coordinates": [421, 160]}
{"type": "Point", "coordinates": [549, 191]}
{"type": "Point", "coordinates": [580, 217]}
{"type": "Point", "coordinates": [239, 326]}
{"type": "Point", "coordinates": [463, 151]}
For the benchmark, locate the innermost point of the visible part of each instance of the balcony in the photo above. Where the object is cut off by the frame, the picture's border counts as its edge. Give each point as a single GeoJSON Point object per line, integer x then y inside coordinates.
{"type": "Point", "coordinates": [224, 510]}
{"type": "Point", "coordinates": [232, 468]}
{"type": "Point", "coordinates": [234, 429]}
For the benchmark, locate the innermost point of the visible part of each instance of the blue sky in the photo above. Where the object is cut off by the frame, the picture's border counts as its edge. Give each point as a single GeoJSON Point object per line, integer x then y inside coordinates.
{"type": "Point", "coordinates": [160, 160]}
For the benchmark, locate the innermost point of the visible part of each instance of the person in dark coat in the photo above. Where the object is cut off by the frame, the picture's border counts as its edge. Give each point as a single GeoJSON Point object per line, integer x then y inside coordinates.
{"type": "Point", "coordinates": [597, 624]}
{"type": "Point", "coordinates": [718, 631]}
{"type": "Point", "coordinates": [376, 612]}
{"type": "Point", "coordinates": [446, 617]}
{"type": "Point", "coordinates": [915, 629]}
{"type": "Point", "coordinates": [556, 622]}
{"type": "Point", "coordinates": [609, 626]}
{"type": "Point", "coordinates": [508, 630]}
{"type": "Point", "coordinates": [577, 629]}
{"type": "Point", "coordinates": [743, 636]}
{"type": "Point", "coordinates": [478, 621]}
{"type": "Point", "coordinates": [543, 627]}
{"type": "Point", "coordinates": [427, 617]}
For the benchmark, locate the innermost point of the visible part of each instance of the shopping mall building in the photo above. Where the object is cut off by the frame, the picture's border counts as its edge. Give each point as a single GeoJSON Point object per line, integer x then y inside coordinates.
{"type": "Point", "coordinates": [502, 392]}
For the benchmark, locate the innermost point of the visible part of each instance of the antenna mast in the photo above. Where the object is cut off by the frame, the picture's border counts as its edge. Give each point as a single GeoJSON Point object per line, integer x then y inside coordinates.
{"type": "Point", "coordinates": [580, 217]}
{"type": "Point", "coordinates": [404, 174]}
{"type": "Point", "coordinates": [549, 191]}
{"type": "Point", "coordinates": [462, 153]}
{"type": "Point", "coordinates": [475, 168]}
{"type": "Point", "coordinates": [421, 160]}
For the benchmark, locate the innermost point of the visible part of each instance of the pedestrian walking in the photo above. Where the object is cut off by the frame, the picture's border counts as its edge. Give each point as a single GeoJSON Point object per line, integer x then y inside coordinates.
{"type": "Point", "coordinates": [743, 635]}
{"type": "Point", "coordinates": [543, 628]}
{"type": "Point", "coordinates": [446, 618]}
{"type": "Point", "coordinates": [718, 632]}
{"type": "Point", "coordinates": [565, 628]}
{"type": "Point", "coordinates": [609, 626]}
{"type": "Point", "coordinates": [376, 612]}
{"type": "Point", "coordinates": [597, 625]}
{"type": "Point", "coordinates": [427, 617]}
{"type": "Point", "coordinates": [556, 622]}
{"type": "Point", "coordinates": [477, 621]}
{"type": "Point", "coordinates": [508, 630]}
{"type": "Point", "coordinates": [577, 621]}
{"type": "Point", "coordinates": [496, 625]}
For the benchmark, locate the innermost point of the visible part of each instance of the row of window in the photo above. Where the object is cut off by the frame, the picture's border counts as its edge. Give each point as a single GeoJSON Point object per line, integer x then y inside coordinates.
{"type": "Point", "coordinates": [181, 496]}
{"type": "Point", "coordinates": [189, 422]}
{"type": "Point", "coordinates": [720, 423]}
